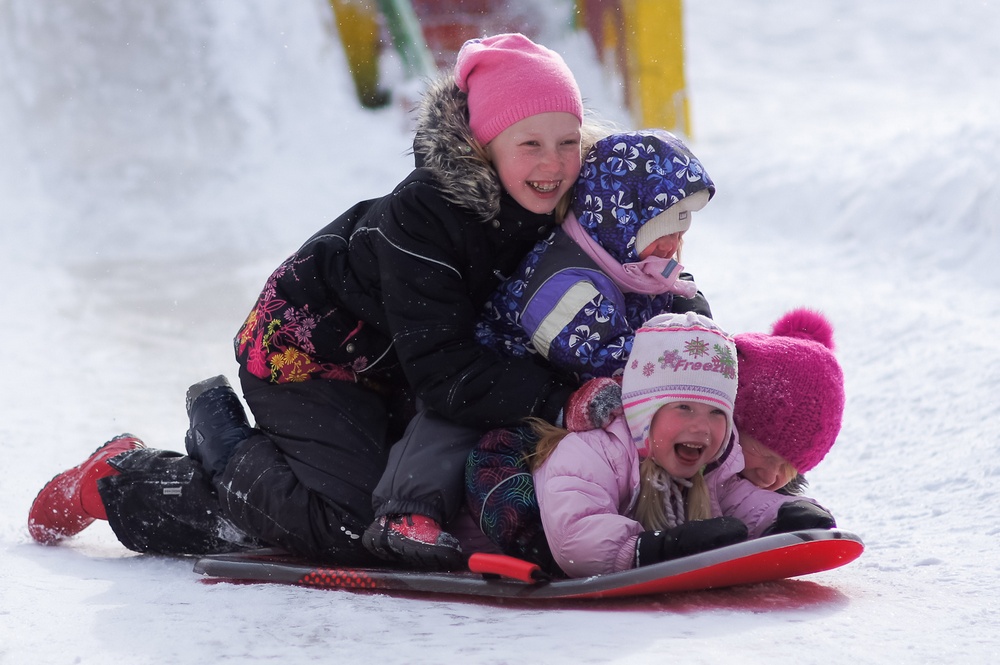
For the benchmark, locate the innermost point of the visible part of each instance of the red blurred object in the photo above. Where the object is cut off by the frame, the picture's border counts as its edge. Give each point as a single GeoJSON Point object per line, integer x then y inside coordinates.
{"type": "Point", "coordinates": [447, 24]}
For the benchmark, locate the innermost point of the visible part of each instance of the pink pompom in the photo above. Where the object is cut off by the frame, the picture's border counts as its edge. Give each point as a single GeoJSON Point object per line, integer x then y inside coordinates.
{"type": "Point", "coordinates": [805, 324]}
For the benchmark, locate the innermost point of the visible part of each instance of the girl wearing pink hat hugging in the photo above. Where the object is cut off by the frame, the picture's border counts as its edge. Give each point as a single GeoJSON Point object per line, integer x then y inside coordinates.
{"type": "Point", "coordinates": [790, 401]}
{"type": "Point", "coordinates": [373, 314]}
{"type": "Point", "coordinates": [662, 480]}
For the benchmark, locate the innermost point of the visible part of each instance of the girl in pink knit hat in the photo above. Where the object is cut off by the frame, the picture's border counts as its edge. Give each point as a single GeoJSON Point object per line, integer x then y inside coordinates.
{"type": "Point", "coordinates": [790, 401]}
{"type": "Point", "coordinates": [661, 481]}
{"type": "Point", "coordinates": [372, 316]}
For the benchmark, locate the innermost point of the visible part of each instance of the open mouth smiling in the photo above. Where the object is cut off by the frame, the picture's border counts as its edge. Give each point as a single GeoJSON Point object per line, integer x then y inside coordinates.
{"type": "Point", "coordinates": [545, 187]}
{"type": "Point", "coordinates": [689, 452]}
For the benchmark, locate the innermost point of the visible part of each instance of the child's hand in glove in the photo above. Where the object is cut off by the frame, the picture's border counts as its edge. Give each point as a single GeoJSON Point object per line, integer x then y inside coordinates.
{"type": "Point", "coordinates": [594, 405]}
{"type": "Point", "coordinates": [799, 515]}
{"type": "Point", "coordinates": [688, 538]}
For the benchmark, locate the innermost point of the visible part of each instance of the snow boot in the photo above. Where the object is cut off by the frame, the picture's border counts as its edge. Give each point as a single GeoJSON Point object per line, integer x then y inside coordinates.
{"type": "Point", "coordinates": [376, 540]}
{"type": "Point", "coordinates": [218, 423]}
{"type": "Point", "coordinates": [416, 541]}
{"type": "Point", "coordinates": [70, 502]}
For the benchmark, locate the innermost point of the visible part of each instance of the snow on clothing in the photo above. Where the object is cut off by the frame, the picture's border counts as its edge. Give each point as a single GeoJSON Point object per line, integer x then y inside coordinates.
{"type": "Point", "coordinates": [390, 291]}
{"type": "Point", "coordinates": [588, 488]}
{"type": "Point", "coordinates": [376, 309]}
{"type": "Point", "coordinates": [559, 303]}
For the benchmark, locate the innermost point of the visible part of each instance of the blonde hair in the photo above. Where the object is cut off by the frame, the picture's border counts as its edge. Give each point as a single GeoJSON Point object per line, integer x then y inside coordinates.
{"type": "Point", "coordinates": [661, 503]}
{"type": "Point", "coordinates": [549, 437]}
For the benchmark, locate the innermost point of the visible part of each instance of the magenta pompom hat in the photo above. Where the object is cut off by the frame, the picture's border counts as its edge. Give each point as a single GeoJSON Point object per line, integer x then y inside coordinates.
{"type": "Point", "coordinates": [677, 358]}
{"type": "Point", "coordinates": [508, 78]}
{"type": "Point", "coordinates": [791, 388]}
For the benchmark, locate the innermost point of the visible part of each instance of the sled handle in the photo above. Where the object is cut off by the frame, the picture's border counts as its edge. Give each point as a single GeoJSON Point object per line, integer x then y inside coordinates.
{"type": "Point", "coordinates": [506, 566]}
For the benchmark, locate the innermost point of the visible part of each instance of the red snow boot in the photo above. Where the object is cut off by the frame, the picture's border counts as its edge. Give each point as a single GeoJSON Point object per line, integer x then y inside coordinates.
{"type": "Point", "coordinates": [69, 503]}
{"type": "Point", "coordinates": [414, 540]}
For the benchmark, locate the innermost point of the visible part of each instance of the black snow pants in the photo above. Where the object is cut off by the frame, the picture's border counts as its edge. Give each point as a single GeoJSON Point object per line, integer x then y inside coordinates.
{"type": "Point", "coordinates": [426, 470]}
{"type": "Point", "coordinates": [302, 482]}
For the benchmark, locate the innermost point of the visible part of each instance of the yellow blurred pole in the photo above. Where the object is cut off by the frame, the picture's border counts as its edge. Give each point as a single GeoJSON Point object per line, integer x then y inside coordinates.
{"type": "Point", "coordinates": [654, 37]}
{"type": "Point", "coordinates": [358, 25]}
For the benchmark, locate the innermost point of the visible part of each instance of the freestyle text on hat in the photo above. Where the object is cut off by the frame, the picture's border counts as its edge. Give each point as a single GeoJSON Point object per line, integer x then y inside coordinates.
{"type": "Point", "coordinates": [791, 388]}
{"type": "Point", "coordinates": [508, 78]}
{"type": "Point", "coordinates": [678, 358]}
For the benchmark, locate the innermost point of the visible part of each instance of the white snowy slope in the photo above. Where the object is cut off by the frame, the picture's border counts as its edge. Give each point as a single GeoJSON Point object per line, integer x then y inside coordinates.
{"type": "Point", "coordinates": [160, 158]}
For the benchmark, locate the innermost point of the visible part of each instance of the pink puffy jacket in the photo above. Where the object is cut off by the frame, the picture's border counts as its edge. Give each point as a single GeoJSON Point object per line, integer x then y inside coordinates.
{"type": "Point", "coordinates": [588, 488]}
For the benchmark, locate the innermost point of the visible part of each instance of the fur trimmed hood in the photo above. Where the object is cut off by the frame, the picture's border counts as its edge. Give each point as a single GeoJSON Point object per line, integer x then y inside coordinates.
{"type": "Point", "coordinates": [443, 144]}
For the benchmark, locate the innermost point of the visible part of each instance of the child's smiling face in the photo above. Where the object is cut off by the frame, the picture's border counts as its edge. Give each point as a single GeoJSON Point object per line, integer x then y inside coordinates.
{"type": "Point", "coordinates": [685, 436]}
{"type": "Point", "coordinates": [664, 247]}
{"type": "Point", "coordinates": [538, 159]}
{"type": "Point", "coordinates": [764, 467]}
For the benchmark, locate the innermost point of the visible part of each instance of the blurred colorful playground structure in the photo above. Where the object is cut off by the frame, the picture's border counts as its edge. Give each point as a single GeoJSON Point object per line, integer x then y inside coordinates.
{"type": "Point", "coordinates": [642, 41]}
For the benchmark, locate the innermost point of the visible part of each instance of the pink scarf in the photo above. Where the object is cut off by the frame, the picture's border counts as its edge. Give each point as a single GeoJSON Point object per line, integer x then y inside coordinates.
{"type": "Point", "coordinates": [651, 276]}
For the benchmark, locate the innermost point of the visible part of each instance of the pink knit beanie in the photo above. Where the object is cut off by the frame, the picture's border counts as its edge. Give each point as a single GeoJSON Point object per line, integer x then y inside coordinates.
{"type": "Point", "coordinates": [791, 388]}
{"type": "Point", "coordinates": [508, 78]}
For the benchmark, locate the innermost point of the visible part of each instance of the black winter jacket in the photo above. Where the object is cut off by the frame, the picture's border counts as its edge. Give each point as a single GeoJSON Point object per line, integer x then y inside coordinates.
{"type": "Point", "coordinates": [390, 291]}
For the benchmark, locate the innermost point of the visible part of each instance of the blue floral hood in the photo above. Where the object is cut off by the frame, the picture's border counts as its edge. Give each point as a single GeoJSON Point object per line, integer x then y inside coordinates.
{"type": "Point", "coordinates": [628, 179]}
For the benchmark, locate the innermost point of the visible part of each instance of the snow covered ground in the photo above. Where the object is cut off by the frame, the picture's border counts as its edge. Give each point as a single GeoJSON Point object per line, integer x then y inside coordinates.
{"type": "Point", "coordinates": [160, 158]}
